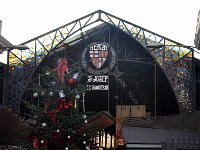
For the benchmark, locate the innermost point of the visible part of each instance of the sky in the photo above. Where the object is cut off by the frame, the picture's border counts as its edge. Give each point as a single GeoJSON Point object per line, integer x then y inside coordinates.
{"type": "Point", "coordinates": [25, 19]}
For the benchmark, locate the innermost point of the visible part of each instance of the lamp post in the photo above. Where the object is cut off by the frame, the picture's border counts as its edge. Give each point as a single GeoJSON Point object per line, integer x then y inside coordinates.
{"type": "Point", "coordinates": [155, 46]}
{"type": "Point", "coordinates": [20, 47]}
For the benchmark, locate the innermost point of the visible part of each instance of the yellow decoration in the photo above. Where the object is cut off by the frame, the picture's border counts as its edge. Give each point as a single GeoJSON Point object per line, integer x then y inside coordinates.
{"type": "Point", "coordinates": [48, 47]}
{"type": "Point", "coordinates": [185, 52]}
{"type": "Point", "coordinates": [161, 52]}
{"type": "Point", "coordinates": [23, 57]}
{"type": "Point", "coordinates": [11, 55]}
{"type": "Point", "coordinates": [19, 65]}
{"type": "Point", "coordinates": [180, 74]}
{"type": "Point", "coordinates": [141, 36]}
{"type": "Point", "coordinates": [190, 54]}
{"type": "Point", "coordinates": [122, 27]}
{"type": "Point", "coordinates": [173, 52]}
{"type": "Point", "coordinates": [180, 65]}
{"type": "Point", "coordinates": [175, 57]}
{"type": "Point", "coordinates": [188, 66]}
{"type": "Point", "coordinates": [75, 105]}
{"type": "Point", "coordinates": [167, 54]}
{"type": "Point", "coordinates": [32, 54]}
{"type": "Point", "coordinates": [12, 68]}
{"type": "Point", "coordinates": [180, 54]}
{"type": "Point", "coordinates": [159, 60]}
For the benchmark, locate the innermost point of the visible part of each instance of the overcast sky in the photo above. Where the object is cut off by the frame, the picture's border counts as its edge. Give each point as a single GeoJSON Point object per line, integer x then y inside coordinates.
{"type": "Point", "coordinates": [26, 19]}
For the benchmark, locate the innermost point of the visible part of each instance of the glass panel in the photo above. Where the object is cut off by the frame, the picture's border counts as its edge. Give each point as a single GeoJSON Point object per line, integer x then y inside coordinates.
{"type": "Point", "coordinates": [122, 27]}
{"type": "Point", "coordinates": [141, 38]}
{"type": "Point", "coordinates": [129, 27]}
{"type": "Point", "coordinates": [134, 31]}
{"type": "Point", "coordinates": [184, 51]}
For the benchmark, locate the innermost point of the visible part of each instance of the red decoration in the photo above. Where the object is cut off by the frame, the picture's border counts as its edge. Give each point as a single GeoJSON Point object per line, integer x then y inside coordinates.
{"type": "Point", "coordinates": [58, 108]}
{"type": "Point", "coordinates": [72, 81]}
{"type": "Point", "coordinates": [62, 104]}
{"type": "Point", "coordinates": [45, 144]}
{"type": "Point", "coordinates": [35, 143]}
{"type": "Point", "coordinates": [119, 134]}
{"type": "Point", "coordinates": [52, 115]}
{"type": "Point", "coordinates": [61, 69]}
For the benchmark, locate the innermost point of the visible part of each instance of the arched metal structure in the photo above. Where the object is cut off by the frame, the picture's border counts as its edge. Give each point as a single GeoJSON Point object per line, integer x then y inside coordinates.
{"type": "Point", "coordinates": [175, 59]}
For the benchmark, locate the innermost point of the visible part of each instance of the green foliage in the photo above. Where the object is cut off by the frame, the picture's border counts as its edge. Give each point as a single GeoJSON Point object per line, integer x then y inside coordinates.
{"type": "Point", "coordinates": [57, 118]}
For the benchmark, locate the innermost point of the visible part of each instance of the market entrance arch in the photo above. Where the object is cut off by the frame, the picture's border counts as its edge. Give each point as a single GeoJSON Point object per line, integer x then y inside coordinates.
{"type": "Point", "coordinates": [174, 59]}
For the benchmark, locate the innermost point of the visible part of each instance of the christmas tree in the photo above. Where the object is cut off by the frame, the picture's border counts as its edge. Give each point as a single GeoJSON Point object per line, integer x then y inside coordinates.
{"type": "Point", "coordinates": [58, 120]}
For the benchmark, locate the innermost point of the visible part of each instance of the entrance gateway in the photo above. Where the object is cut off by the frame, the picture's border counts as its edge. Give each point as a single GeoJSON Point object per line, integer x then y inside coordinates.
{"type": "Point", "coordinates": [173, 58]}
{"type": "Point", "coordinates": [107, 49]}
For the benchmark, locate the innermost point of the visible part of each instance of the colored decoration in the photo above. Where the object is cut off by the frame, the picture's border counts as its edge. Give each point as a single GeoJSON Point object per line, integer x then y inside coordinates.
{"type": "Point", "coordinates": [52, 116]}
{"type": "Point", "coordinates": [35, 94]}
{"type": "Point", "coordinates": [63, 104]}
{"type": "Point", "coordinates": [77, 97]}
{"type": "Point", "coordinates": [72, 81]}
{"type": "Point", "coordinates": [84, 116]}
{"type": "Point", "coordinates": [48, 73]}
{"type": "Point", "coordinates": [50, 93]}
{"type": "Point", "coordinates": [61, 69]}
{"type": "Point", "coordinates": [75, 76]}
{"type": "Point", "coordinates": [35, 143]}
{"type": "Point", "coordinates": [44, 143]}
{"type": "Point", "coordinates": [61, 94]}
{"type": "Point", "coordinates": [44, 124]}
{"type": "Point", "coordinates": [54, 83]}
{"type": "Point", "coordinates": [84, 142]}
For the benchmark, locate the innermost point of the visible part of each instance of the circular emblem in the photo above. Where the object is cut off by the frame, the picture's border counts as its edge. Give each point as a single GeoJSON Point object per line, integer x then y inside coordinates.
{"type": "Point", "coordinates": [98, 58]}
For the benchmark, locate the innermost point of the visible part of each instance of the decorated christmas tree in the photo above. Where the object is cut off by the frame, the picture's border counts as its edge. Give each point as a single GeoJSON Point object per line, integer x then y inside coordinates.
{"type": "Point", "coordinates": [58, 120]}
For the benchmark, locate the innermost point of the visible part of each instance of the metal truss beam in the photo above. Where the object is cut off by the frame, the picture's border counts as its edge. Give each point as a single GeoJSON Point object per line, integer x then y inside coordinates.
{"type": "Point", "coordinates": [176, 61]}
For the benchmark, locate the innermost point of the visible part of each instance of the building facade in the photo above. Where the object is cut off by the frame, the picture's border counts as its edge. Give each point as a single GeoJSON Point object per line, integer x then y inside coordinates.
{"type": "Point", "coordinates": [121, 64]}
{"type": "Point", "coordinates": [197, 34]}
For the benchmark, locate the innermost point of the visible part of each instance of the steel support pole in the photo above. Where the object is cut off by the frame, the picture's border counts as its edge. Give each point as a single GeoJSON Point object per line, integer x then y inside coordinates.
{"type": "Point", "coordinates": [155, 88]}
